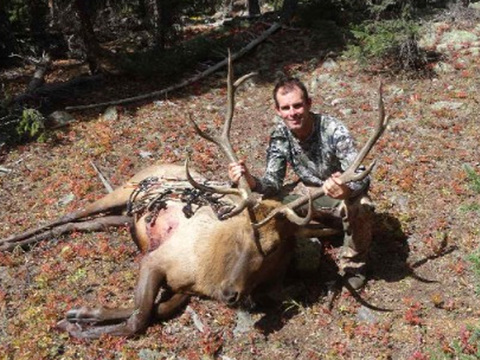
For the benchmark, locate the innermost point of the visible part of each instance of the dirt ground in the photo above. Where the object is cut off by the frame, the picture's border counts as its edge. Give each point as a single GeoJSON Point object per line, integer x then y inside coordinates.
{"type": "Point", "coordinates": [425, 241]}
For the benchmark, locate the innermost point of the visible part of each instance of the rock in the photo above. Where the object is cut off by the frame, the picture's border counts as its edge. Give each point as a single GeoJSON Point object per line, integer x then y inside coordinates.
{"type": "Point", "coordinates": [474, 5]}
{"type": "Point", "coordinates": [196, 319]}
{"type": "Point", "coordinates": [147, 354]}
{"type": "Point", "coordinates": [402, 201]}
{"type": "Point", "coordinates": [448, 105]}
{"type": "Point", "coordinates": [346, 112]}
{"type": "Point", "coordinates": [111, 113]}
{"type": "Point", "coordinates": [397, 91]}
{"type": "Point", "coordinates": [318, 80]}
{"type": "Point", "coordinates": [456, 40]}
{"type": "Point", "coordinates": [329, 64]}
{"type": "Point", "coordinates": [4, 170]}
{"type": "Point", "coordinates": [443, 68]}
{"type": "Point", "coordinates": [67, 199]}
{"type": "Point", "coordinates": [244, 323]}
{"type": "Point", "coordinates": [337, 101]}
{"type": "Point", "coordinates": [59, 119]}
{"type": "Point", "coordinates": [365, 314]}
{"type": "Point", "coordinates": [428, 38]}
{"type": "Point", "coordinates": [145, 154]}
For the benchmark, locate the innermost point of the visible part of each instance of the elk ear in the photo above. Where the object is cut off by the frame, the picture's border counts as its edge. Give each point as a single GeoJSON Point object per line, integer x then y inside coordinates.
{"type": "Point", "coordinates": [268, 239]}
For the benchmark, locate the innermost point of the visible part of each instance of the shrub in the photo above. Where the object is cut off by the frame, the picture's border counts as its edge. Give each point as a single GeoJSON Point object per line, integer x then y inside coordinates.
{"type": "Point", "coordinates": [31, 124]}
{"type": "Point", "coordinates": [388, 45]}
{"type": "Point", "coordinates": [473, 178]}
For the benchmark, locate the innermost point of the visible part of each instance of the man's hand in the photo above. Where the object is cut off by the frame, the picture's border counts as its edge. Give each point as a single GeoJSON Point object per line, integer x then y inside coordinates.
{"type": "Point", "coordinates": [239, 169]}
{"type": "Point", "coordinates": [335, 189]}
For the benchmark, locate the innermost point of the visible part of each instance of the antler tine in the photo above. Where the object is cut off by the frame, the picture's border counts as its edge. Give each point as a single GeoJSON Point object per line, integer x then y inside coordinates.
{"type": "Point", "coordinates": [230, 100]}
{"type": "Point", "coordinates": [223, 142]}
{"type": "Point", "coordinates": [200, 132]}
{"type": "Point", "coordinates": [291, 216]}
{"type": "Point", "coordinates": [379, 129]}
{"type": "Point", "coordinates": [351, 173]}
{"type": "Point", "coordinates": [215, 189]}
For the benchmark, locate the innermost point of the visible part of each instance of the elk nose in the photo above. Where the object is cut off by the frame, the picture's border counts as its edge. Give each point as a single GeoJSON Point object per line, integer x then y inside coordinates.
{"type": "Point", "coordinates": [230, 296]}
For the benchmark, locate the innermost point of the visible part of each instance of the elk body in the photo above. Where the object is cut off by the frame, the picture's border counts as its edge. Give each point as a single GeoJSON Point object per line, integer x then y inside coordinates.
{"type": "Point", "coordinates": [221, 259]}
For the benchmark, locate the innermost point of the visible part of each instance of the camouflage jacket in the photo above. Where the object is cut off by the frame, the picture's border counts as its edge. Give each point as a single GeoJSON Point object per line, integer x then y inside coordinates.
{"type": "Point", "coordinates": [329, 149]}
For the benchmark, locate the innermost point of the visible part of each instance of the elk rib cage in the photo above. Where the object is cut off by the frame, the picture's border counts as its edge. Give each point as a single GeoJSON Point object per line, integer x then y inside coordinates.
{"type": "Point", "coordinates": [152, 193]}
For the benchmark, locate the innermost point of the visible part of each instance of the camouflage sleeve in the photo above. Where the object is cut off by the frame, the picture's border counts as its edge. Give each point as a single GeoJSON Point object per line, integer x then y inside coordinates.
{"type": "Point", "coordinates": [346, 152]}
{"type": "Point", "coordinates": [272, 180]}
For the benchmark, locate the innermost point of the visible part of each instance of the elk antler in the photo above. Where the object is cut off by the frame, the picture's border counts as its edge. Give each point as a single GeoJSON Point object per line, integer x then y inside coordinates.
{"type": "Point", "coordinates": [351, 174]}
{"type": "Point", "coordinates": [223, 141]}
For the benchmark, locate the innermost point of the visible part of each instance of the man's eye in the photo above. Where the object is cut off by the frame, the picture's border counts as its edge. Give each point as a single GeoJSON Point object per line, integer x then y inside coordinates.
{"type": "Point", "coordinates": [297, 106]}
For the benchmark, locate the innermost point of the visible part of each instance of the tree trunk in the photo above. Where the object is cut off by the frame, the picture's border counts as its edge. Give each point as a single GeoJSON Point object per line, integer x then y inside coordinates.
{"type": "Point", "coordinates": [253, 8]}
{"type": "Point", "coordinates": [142, 11]}
{"type": "Point", "coordinates": [288, 9]}
{"type": "Point", "coordinates": [52, 10]}
{"type": "Point", "coordinates": [38, 16]}
{"type": "Point", "coordinates": [163, 20]}
{"type": "Point", "coordinates": [7, 45]}
{"type": "Point", "coordinates": [88, 35]}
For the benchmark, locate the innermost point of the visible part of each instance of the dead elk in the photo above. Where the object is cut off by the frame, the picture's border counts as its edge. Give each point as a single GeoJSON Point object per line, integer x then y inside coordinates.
{"type": "Point", "coordinates": [222, 259]}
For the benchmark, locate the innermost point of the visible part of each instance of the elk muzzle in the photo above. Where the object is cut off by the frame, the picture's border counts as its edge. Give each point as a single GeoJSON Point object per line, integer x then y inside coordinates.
{"type": "Point", "coordinates": [229, 295]}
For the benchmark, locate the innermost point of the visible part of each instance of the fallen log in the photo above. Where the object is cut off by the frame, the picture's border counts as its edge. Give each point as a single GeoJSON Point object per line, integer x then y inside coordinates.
{"type": "Point", "coordinates": [273, 28]}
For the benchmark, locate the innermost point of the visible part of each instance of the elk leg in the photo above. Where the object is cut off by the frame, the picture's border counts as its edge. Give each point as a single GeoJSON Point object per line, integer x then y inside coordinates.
{"type": "Point", "coordinates": [167, 309]}
{"type": "Point", "coordinates": [97, 224]}
{"type": "Point", "coordinates": [150, 280]}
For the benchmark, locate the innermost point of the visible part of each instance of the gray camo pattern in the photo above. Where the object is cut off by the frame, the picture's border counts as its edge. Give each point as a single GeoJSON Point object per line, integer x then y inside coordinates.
{"type": "Point", "coordinates": [329, 149]}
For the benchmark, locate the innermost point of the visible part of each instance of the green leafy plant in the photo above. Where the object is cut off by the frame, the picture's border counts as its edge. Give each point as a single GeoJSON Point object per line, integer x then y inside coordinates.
{"type": "Point", "coordinates": [475, 261]}
{"type": "Point", "coordinates": [470, 208]}
{"type": "Point", "coordinates": [473, 177]}
{"type": "Point", "coordinates": [468, 345]}
{"type": "Point", "coordinates": [31, 124]}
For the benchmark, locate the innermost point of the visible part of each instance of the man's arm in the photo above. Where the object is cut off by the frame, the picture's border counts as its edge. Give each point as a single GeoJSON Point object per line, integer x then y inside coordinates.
{"type": "Point", "coordinates": [272, 180]}
{"type": "Point", "coordinates": [237, 169]}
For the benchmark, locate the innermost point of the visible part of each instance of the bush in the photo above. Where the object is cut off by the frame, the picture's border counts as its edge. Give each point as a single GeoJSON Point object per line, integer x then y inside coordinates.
{"type": "Point", "coordinates": [387, 45]}
{"type": "Point", "coordinates": [31, 123]}
{"type": "Point", "coordinates": [18, 125]}
{"type": "Point", "coordinates": [473, 177]}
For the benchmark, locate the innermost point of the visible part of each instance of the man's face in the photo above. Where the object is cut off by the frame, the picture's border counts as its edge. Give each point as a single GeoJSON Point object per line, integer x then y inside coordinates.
{"type": "Point", "coordinates": [294, 110]}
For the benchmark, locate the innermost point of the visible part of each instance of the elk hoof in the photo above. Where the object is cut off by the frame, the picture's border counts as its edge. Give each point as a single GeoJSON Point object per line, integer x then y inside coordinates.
{"type": "Point", "coordinates": [72, 328]}
{"type": "Point", "coordinates": [82, 315]}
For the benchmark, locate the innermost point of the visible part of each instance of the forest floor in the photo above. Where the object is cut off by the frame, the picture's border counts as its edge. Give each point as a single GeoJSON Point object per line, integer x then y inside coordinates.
{"type": "Point", "coordinates": [425, 260]}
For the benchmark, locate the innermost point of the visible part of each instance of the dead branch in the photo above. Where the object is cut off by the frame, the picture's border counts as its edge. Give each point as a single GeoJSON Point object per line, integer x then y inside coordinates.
{"type": "Point", "coordinates": [41, 69]}
{"type": "Point", "coordinates": [41, 66]}
{"type": "Point", "coordinates": [211, 70]}
{"type": "Point", "coordinates": [104, 181]}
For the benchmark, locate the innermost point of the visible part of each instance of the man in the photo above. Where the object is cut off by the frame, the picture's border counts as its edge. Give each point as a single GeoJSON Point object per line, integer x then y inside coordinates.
{"type": "Point", "coordinates": [319, 148]}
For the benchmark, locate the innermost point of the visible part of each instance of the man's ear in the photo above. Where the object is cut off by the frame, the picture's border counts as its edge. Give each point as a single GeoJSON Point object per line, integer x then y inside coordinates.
{"type": "Point", "coordinates": [277, 110]}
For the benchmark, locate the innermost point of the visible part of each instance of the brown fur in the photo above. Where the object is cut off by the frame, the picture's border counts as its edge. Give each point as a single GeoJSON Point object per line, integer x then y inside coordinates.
{"type": "Point", "coordinates": [222, 259]}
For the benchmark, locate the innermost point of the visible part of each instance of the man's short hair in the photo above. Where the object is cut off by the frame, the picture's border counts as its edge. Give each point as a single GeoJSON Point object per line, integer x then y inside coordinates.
{"type": "Point", "coordinates": [289, 84]}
